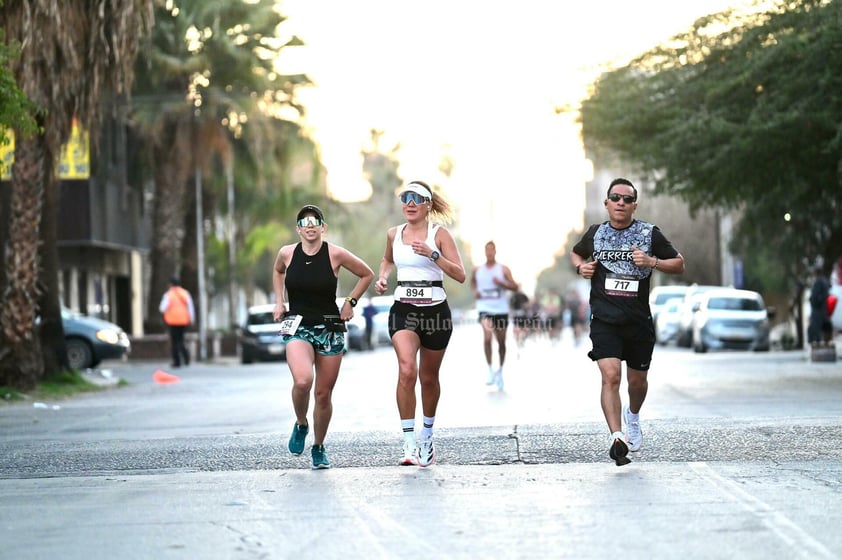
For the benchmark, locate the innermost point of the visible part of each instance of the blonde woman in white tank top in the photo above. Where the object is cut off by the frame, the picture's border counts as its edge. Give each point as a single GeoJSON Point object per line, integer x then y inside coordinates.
{"type": "Point", "coordinates": [423, 253]}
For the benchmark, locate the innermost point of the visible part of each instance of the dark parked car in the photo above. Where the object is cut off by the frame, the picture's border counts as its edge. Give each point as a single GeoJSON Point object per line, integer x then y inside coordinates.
{"type": "Point", "coordinates": [259, 338]}
{"type": "Point", "coordinates": [90, 340]}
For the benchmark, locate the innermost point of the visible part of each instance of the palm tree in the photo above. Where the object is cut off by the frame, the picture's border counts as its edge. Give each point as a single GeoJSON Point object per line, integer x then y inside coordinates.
{"type": "Point", "coordinates": [73, 52]}
{"type": "Point", "coordinates": [207, 78]}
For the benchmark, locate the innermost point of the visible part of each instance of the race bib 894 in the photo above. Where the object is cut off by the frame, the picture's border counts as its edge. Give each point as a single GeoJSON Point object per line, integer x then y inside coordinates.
{"type": "Point", "coordinates": [414, 294]}
{"type": "Point", "coordinates": [290, 325]}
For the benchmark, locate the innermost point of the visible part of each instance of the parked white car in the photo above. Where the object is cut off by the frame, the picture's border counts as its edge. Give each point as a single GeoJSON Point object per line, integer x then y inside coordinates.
{"type": "Point", "coordinates": [666, 324]}
{"type": "Point", "coordinates": [728, 318]}
{"type": "Point", "coordinates": [688, 310]}
{"type": "Point", "coordinates": [660, 295]}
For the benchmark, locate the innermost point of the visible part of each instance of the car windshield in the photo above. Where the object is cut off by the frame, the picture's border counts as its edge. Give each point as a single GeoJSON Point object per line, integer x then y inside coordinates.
{"type": "Point", "coordinates": [664, 297]}
{"type": "Point", "coordinates": [263, 318]}
{"type": "Point", "coordinates": [734, 304]}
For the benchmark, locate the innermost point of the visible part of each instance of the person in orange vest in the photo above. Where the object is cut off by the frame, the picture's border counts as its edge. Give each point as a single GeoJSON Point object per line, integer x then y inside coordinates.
{"type": "Point", "coordinates": [179, 313]}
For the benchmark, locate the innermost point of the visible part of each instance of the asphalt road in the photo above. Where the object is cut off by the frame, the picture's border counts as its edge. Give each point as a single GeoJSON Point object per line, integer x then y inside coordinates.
{"type": "Point", "coordinates": [741, 459]}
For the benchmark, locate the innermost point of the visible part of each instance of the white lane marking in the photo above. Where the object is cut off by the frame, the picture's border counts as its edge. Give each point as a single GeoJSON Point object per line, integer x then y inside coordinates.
{"type": "Point", "coordinates": [801, 543]}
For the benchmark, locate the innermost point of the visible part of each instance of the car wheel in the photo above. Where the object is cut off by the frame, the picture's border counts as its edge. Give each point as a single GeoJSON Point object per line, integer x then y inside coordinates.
{"type": "Point", "coordinates": [245, 356]}
{"type": "Point", "coordinates": [700, 348]}
{"type": "Point", "coordinates": [79, 354]}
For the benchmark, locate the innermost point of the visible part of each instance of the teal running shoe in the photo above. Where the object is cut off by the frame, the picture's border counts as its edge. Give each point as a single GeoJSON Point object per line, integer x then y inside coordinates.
{"type": "Point", "coordinates": [296, 440]}
{"type": "Point", "coordinates": [319, 457]}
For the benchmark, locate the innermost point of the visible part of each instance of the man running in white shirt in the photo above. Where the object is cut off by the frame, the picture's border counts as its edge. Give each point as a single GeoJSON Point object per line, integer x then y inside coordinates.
{"type": "Point", "coordinates": [490, 283]}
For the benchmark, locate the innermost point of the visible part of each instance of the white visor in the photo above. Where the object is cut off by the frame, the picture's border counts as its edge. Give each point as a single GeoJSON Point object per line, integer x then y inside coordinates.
{"type": "Point", "coordinates": [416, 188]}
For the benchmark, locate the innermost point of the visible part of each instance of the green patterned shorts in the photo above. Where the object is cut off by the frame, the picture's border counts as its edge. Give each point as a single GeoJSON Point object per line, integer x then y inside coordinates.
{"type": "Point", "coordinates": [324, 342]}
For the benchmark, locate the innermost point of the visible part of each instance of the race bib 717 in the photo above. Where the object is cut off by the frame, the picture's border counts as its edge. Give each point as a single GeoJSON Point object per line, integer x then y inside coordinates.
{"type": "Point", "coordinates": [621, 285]}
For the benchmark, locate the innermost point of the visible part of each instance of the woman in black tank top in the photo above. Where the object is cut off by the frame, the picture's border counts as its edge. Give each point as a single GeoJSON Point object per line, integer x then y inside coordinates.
{"type": "Point", "coordinates": [313, 327]}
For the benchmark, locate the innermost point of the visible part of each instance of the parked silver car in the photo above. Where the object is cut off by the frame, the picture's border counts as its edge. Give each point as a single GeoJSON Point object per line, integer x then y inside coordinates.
{"type": "Point", "coordinates": [728, 318]}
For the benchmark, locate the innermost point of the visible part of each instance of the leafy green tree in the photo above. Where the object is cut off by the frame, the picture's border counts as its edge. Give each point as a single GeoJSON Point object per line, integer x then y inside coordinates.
{"type": "Point", "coordinates": [207, 91]}
{"type": "Point", "coordinates": [71, 57]}
{"type": "Point", "coordinates": [744, 119]}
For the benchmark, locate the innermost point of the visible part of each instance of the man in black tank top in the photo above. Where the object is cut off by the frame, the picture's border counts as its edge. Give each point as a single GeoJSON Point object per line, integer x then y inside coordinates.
{"type": "Point", "coordinates": [618, 257]}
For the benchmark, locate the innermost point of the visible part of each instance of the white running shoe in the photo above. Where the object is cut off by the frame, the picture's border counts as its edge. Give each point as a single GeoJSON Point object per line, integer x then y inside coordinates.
{"type": "Point", "coordinates": [410, 454]}
{"type": "Point", "coordinates": [633, 429]}
{"type": "Point", "coordinates": [492, 376]}
{"type": "Point", "coordinates": [426, 452]}
{"type": "Point", "coordinates": [499, 380]}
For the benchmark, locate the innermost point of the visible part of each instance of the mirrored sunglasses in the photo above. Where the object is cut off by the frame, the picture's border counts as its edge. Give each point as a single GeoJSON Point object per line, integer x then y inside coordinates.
{"type": "Point", "coordinates": [309, 221]}
{"type": "Point", "coordinates": [414, 197]}
{"type": "Point", "coordinates": [627, 198]}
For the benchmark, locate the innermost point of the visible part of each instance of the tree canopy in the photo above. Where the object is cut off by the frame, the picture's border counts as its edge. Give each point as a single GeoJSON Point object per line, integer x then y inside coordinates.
{"type": "Point", "coordinates": [743, 113]}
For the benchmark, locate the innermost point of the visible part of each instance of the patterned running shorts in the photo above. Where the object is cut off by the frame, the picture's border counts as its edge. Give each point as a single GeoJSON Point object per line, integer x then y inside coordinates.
{"type": "Point", "coordinates": [324, 342]}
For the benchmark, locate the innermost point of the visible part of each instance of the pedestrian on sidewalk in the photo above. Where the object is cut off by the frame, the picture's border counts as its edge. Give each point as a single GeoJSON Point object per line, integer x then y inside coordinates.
{"type": "Point", "coordinates": [369, 311]}
{"type": "Point", "coordinates": [179, 313]}
{"type": "Point", "coordinates": [618, 257]}
{"type": "Point", "coordinates": [423, 251]}
{"type": "Point", "coordinates": [314, 328]}
{"type": "Point", "coordinates": [820, 328]}
{"type": "Point", "coordinates": [491, 283]}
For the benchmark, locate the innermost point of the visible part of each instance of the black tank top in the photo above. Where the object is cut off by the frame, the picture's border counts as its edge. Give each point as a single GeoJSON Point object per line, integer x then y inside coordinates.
{"type": "Point", "coordinates": [311, 285]}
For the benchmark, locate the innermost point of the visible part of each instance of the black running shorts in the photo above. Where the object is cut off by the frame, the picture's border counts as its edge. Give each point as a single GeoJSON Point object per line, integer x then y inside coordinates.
{"type": "Point", "coordinates": [633, 342]}
{"type": "Point", "coordinates": [432, 324]}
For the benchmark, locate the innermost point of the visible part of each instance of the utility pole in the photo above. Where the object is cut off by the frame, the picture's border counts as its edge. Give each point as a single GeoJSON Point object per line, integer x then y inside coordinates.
{"type": "Point", "coordinates": [233, 286]}
{"type": "Point", "coordinates": [200, 249]}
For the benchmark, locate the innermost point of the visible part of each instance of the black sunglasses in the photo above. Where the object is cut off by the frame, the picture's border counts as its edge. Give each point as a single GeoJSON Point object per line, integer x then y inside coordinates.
{"type": "Point", "coordinates": [627, 198]}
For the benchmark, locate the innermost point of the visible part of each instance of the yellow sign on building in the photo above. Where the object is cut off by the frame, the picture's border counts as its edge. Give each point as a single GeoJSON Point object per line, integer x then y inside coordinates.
{"type": "Point", "coordinates": [7, 156]}
{"type": "Point", "coordinates": [74, 158]}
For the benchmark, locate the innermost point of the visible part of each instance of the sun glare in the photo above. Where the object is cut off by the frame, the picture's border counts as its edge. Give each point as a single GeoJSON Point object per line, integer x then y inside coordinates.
{"type": "Point", "coordinates": [482, 84]}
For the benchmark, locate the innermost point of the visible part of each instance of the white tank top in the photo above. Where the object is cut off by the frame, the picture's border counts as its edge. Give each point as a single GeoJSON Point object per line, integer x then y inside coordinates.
{"type": "Point", "coordinates": [493, 299]}
{"type": "Point", "coordinates": [417, 268]}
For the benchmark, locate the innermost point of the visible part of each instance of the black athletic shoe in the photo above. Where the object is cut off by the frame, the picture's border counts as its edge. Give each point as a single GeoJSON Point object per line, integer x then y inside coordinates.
{"type": "Point", "coordinates": [619, 450]}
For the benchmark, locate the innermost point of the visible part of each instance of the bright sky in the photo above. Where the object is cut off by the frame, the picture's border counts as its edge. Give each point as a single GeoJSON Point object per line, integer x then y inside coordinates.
{"type": "Point", "coordinates": [478, 81]}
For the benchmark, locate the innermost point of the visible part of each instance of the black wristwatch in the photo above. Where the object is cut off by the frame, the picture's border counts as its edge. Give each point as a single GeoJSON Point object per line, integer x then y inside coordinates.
{"type": "Point", "coordinates": [434, 256]}
{"type": "Point", "coordinates": [352, 301]}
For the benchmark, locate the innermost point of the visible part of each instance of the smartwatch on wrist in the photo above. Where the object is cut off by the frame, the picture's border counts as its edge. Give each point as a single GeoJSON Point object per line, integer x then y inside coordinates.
{"type": "Point", "coordinates": [434, 256]}
{"type": "Point", "coordinates": [352, 301]}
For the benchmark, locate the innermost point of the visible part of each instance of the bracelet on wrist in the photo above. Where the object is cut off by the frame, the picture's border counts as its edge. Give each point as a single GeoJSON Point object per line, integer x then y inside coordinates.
{"type": "Point", "coordinates": [657, 260]}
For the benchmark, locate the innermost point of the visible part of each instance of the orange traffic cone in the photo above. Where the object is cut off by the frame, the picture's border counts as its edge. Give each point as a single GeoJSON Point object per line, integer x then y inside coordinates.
{"type": "Point", "coordinates": [163, 378]}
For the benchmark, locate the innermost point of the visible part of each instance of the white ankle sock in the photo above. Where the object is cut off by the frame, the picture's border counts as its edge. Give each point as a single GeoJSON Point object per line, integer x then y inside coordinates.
{"type": "Point", "coordinates": [427, 430]}
{"type": "Point", "coordinates": [408, 430]}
